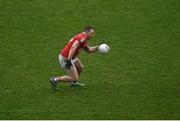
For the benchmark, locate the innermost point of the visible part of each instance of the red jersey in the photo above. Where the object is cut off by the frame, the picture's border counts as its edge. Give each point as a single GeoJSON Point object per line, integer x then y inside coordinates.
{"type": "Point", "coordinates": [81, 38]}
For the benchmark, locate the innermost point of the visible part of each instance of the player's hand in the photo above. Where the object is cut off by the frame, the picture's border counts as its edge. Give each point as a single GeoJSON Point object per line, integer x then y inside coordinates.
{"type": "Point", "coordinates": [68, 64]}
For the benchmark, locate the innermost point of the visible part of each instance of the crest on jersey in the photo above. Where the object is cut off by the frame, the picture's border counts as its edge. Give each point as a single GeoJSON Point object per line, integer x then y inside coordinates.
{"type": "Point", "coordinates": [82, 40]}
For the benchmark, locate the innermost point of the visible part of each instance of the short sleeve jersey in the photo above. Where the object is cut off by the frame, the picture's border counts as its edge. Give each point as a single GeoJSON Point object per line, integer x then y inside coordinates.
{"type": "Point", "coordinates": [81, 38]}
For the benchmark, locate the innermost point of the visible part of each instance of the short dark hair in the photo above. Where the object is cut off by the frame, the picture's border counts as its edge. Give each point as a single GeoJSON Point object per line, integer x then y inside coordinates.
{"type": "Point", "coordinates": [88, 28]}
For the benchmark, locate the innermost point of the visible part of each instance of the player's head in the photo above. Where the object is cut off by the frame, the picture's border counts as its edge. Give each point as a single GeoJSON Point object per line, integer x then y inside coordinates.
{"type": "Point", "coordinates": [89, 30]}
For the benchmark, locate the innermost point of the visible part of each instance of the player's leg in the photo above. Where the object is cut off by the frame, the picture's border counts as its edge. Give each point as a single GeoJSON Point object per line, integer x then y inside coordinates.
{"type": "Point", "coordinates": [72, 75]}
{"type": "Point", "coordinates": [79, 66]}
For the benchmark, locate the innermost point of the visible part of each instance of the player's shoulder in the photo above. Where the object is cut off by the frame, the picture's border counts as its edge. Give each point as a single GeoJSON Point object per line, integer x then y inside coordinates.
{"type": "Point", "coordinates": [81, 37]}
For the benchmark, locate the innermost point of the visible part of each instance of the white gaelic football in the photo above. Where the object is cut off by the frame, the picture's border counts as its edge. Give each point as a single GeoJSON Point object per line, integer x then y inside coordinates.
{"type": "Point", "coordinates": [103, 48]}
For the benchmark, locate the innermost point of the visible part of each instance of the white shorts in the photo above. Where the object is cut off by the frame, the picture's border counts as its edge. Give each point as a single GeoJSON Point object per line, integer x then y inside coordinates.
{"type": "Point", "coordinates": [63, 63]}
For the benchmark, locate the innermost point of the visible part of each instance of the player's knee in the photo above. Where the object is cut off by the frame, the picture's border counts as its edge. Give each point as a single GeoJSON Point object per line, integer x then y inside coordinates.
{"type": "Point", "coordinates": [75, 78]}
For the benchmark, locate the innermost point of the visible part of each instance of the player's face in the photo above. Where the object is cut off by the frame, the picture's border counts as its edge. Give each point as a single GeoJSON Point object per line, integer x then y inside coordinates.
{"type": "Point", "coordinates": [91, 33]}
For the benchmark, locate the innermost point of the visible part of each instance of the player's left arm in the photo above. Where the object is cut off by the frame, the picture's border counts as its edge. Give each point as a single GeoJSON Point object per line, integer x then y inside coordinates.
{"type": "Point", "coordinates": [91, 49]}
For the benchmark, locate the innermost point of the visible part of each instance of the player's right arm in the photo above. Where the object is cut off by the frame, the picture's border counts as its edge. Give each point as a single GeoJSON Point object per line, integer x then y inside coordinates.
{"type": "Point", "coordinates": [73, 50]}
{"type": "Point", "coordinates": [71, 53]}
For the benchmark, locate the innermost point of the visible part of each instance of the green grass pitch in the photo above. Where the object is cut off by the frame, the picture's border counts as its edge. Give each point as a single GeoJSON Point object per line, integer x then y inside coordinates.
{"type": "Point", "coordinates": [138, 79]}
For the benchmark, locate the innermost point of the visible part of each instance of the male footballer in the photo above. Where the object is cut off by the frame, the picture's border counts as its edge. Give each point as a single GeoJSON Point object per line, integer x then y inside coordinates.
{"type": "Point", "coordinates": [68, 58]}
